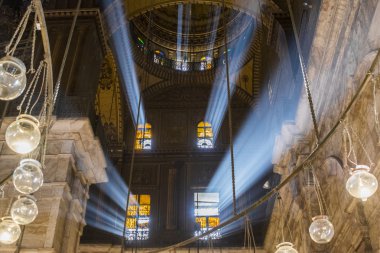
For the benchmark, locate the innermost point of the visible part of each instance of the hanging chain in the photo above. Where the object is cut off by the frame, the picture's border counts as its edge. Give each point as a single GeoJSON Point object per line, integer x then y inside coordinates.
{"type": "Point", "coordinates": [229, 111]}
{"type": "Point", "coordinates": [60, 73]}
{"type": "Point", "coordinates": [249, 238]}
{"type": "Point", "coordinates": [31, 85]}
{"type": "Point", "coordinates": [43, 111]}
{"type": "Point", "coordinates": [282, 217]}
{"type": "Point", "coordinates": [304, 74]}
{"type": "Point", "coordinates": [210, 244]}
{"type": "Point", "coordinates": [351, 148]}
{"type": "Point", "coordinates": [308, 196]}
{"type": "Point", "coordinates": [43, 84]}
{"type": "Point", "coordinates": [9, 49]}
{"type": "Point", "coordinates": [35, 85]}
{"type": "Point", "coordinates": [363, 148]}
{"type": "Point", "coordinates": [46, 128]}
{"type": "Point", "coordinates": [32, 70]}
{"type": "Point", "coordinates": [318, 190]}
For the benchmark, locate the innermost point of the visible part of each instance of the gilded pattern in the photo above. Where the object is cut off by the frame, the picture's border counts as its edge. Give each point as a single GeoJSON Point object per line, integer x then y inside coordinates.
{"type": "Point", "coordinates": [108, 101]}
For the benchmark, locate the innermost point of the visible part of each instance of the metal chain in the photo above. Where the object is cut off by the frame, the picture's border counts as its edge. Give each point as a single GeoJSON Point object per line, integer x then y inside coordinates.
{"type": "Point", "coordinates": [363, 148]}
{"type": "Point", "coordinates": [44, 107]}
{"type": "Point", "coordinates": [229, 111]}
{"type": "Point", "coordinates": [318, 190]}
{"type": "Point", "coordinates": [249, 238]}
{"type": "Point", "coordinates": [63, 63]}
{"type": "Point", "coordinates": [304, 74]}
{"type": "Point", "coordinates": [31, 85]}
{"type": "Point", "coordinates": [19, 32]}
{"type": "Point", "coordinates": [35, 85]}
{"type": "Point", "coordinates": [43, 84]}
{"type": "Point", "coordinates": [351, 148]}
{"type": "Point", "coordinates": [32, 70]}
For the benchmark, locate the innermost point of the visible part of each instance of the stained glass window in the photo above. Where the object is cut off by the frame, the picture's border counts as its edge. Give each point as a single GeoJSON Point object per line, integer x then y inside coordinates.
{"type": "Point", "coordinates": [158, 57]}
{"type": "Point", "coordinates": [205, 136]}
{"type": "Point", "coordinates": [182, 64]}
{"type": "Point", "coordinates": [138, 217]}
{"type": "Point", "coordinates": [206, 62]}
{"type": "Point", "coordinates": [144, 136]}
{"type": "Point", "coordinates": [206, 212]}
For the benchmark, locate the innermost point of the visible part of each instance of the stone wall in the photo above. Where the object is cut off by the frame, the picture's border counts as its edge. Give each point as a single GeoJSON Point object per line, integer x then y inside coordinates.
{"type": "Point", "coordinates": [74, 161]}
{"type": "Point", "coordinates": [344, 46]}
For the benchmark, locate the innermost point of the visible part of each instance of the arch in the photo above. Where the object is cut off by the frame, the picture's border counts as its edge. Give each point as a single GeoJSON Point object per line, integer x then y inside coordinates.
{"type": "Point", "coordinates": [136, 8]}
{"type": "Point", "coordinates": [205, 135]}
{"type": "Point", "coordinates": [143, 137]}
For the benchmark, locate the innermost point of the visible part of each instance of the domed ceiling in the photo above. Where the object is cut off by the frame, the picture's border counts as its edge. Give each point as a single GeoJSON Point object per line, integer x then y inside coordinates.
{"type": "Point", "coordinates": [192, 27]}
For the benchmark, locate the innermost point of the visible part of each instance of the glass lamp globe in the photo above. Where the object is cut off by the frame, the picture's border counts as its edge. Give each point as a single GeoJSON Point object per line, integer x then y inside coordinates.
{"type": "Point", "coordinates": [286, 247]}
{"type": "Point", "coordinates": [24, 210]}
{"type": "Point", "coordinates": [321, 230]}
{"type": "Point", "coordinates": [9, 230]}
{"type": "Point", "coordinates": [12, 77]}
{"type": "Point", "coordinates": [28, 176]}
{"type": "Point", "coordinates": [23, 135]}
{"type": "Point", "coordinates": [361, 184]}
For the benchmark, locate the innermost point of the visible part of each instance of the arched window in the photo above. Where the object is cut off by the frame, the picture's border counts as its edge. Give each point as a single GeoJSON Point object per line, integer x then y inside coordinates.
{"type": "Point", "coordinates": [206, 62]}
{"type": "Point", "coordinates": [205, 137]}
{"type": "Point", "coordinates": [206, 212]}
{"type": "Point", "coordinates": [138, 217]}
{"type": "Point", "coordinates": [158, 57]}
{"type": "Point", "coordinates": [144, 136]}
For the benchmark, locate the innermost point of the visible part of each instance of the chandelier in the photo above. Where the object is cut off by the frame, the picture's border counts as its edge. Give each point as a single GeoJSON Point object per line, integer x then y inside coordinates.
{"type": "Point", "coordinates": [27, 135]}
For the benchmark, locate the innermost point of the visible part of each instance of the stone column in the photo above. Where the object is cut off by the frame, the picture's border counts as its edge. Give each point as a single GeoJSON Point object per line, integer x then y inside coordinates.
{"type": "Point", "coordinates": [74, 161]}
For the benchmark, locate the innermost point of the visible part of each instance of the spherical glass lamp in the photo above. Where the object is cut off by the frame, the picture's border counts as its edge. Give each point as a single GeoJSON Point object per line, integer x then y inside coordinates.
{"type": "Point", "coordinates": [285, 247]}
{"type": "Point", "coordinates": [23, 135]}
{"type": "Point", "coordinates": [24, 210]}
{"type": "Point", "coordinates": [361, 184]}
{"type": "Point", "coordinates": [9, 230]}
{"type": "Point", "coordinates": [321, 230]}
{"type": "Point", "coordinates": [28, 176]}
{"type": "Point", "coordinates": [12, 77]}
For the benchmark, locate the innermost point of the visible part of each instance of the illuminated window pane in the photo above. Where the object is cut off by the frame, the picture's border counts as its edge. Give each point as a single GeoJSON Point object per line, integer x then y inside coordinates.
{"type": "Point", "coordinates": [132, 210]}
{"type": "Point", "coordinates": [206, 212]}
{"type": "Point", "coordinates": [205, 136]}
{"type": "Point", "coordinates": [144, 199]}
{"type": "Point", "coordinates": [201, 221]}
{"type": "Point", "coordinates": [158, 57]}
{"type": "Point", "coordinates": [131, 223]}
{"type": "Point", "coordinates": [206, 62]}
{"type": "Point", "coordinates": [144, 210]}
{"type": "Point", "coordinates": [144, 136]}
{"type": "Point", "coordinates": [213, 222]}
{"type": "Point", "coordinates": [138, 217]}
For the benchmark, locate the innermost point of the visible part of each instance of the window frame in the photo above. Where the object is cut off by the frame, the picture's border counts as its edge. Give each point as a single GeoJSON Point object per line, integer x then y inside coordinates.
{"type": "Point", "coordinates": [198, 228]}
{"type": "Point", "coordinates": [207, 129]}
{"type": "Point", "coordinates": [137, 230]}
{"type": "Point", "coordinates": [143, 133]}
